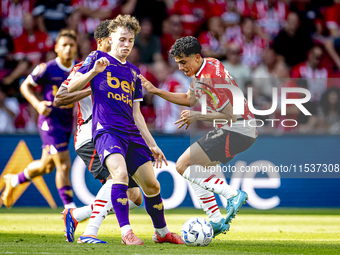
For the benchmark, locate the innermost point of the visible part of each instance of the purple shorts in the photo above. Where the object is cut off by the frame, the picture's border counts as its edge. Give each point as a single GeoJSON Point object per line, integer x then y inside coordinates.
{"type": "Point", "coordinates": [131, 145]}
{"type": "Point", "coordinates": [55, 141]}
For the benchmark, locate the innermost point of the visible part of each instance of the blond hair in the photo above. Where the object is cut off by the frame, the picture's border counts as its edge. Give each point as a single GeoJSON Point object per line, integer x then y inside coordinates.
{"type": "Point", "coordinates": [127, 21]}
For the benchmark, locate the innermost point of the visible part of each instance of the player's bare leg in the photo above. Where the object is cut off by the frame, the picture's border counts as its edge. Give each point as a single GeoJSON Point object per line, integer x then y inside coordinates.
{"type": "Point", "coordinates": [191, 165]}
{"type": "Point", "coordinates": [135, 197]}
{"type": "Point", "coordinates": [146, 179]}
{"type": "Point", "coordinates": [36, 168]}
{"type": "Point", "coordinates": [62, 162]}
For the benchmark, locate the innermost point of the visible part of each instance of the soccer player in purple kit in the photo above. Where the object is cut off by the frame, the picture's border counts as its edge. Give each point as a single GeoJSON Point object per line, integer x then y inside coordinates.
{"type": "Point", "coordinates": [85, 149]}
{"type": "Point", "coordinates": [55, 124]}
{"type": "Point", "coordinates": [119, 128]}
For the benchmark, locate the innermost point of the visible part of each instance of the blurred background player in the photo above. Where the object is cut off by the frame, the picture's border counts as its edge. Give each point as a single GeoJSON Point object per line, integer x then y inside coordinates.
{"type": "Point", "coordinates": [55, 124]}
{"type": "Point", "coordinates": [219, 145]}
{"type": "Point", "coordinates": [119, 128]}
{"type": "Point", "coordinates": [87, 152]}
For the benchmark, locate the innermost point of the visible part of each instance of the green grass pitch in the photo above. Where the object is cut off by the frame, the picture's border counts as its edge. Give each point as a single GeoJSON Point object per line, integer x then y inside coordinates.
{"type": "Point", "coordinates": [277, 231]}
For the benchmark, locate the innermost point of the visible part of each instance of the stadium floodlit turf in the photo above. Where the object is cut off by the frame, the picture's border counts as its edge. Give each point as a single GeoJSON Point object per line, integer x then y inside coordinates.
{"type": "Point", "coordinates": [280, 231]}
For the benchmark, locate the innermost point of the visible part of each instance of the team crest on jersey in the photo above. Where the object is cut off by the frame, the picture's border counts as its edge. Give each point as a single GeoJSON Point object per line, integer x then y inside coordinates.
{"type": "Point", "coordinates": [134, 74]}
{"type": "Point", "coordinates": [87, 61]}
{"type": "Point", "coordinates": [39, 69]}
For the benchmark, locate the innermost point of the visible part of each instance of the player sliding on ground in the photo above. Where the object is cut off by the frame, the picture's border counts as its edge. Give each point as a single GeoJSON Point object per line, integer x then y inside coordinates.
{"type": "Point", "coordinates": [86, 151]}
{"type": "Point", "coordinates": [119, 128]}
{"type": "Point", "coordinates": [219, 145]}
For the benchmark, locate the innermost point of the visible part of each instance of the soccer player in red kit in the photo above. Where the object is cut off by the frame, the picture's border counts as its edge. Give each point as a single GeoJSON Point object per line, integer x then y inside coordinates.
{"type": "Point", "coordinates": [219, 145]}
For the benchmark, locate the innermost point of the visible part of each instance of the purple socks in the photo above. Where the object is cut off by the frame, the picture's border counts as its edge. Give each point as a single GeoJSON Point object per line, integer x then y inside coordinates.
{"type": "Point", "coordinates": [120, 203]}
{"type": "Point", "coordinates": [66, 194]}
{"type": "Point", "coordinates": [154, 207]}
{"type": "Point", "coordinates": [22, 178]}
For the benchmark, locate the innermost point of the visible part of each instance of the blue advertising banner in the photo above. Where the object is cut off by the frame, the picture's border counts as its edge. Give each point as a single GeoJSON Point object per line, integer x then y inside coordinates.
{"type": "Point", "coordinates": [311, 161]}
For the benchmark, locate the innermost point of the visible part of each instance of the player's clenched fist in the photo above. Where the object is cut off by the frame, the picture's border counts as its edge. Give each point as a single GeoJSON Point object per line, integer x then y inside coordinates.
{"type": "Point", "coordinates": [146, 84]}
{"type": "Point", "coordinates": [43, 107]}
{"type": "Point", "coordinates": [101, 64]}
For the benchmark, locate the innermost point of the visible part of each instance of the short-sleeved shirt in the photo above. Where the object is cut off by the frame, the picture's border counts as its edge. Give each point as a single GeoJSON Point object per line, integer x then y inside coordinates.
{"type": "Point", "coordinates": [114, 91]}
{"type": "Point", "coordinates": [50, 75]}
{"type": "Point", "coordinates": [211, 73]}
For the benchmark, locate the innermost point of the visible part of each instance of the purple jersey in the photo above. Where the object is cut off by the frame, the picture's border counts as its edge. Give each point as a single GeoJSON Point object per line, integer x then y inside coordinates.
{"type": "Point", "coordinates": [114, 91]}
{"type": "Point", "coordinates": [50, 75]}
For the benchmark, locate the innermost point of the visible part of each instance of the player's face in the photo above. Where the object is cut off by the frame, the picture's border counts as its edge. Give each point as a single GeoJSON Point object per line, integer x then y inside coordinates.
{"type": "Point", "coordinates": [121, 43]}
{"type": "Point", "coordinates": [104, 45]}
{"type": "Point", "coordinates": [66, 48]}
{"type": "Point", "coordinates": [189, 65]}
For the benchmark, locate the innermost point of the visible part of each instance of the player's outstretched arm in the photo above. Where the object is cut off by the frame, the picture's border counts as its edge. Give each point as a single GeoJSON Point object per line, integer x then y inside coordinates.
{"type": "Point", "coordinates": [63, 97]}
{"type": "Point", "coordinates": [188, 117]}
{"type": "Point", "coordinates": [143, 129]}
{"type": "Point", "coordinates": [177, 98]}
{"type": "Point", "coordinates": [42, 107]}
{"type": "Point", "coordinates": [80, 80]}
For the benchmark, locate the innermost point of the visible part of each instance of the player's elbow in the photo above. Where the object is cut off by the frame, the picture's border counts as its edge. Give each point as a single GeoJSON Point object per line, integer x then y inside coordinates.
{"type": "Point", "coordinates": [58, 100]}
{"type": "Point", "coordinates": [24, 86]}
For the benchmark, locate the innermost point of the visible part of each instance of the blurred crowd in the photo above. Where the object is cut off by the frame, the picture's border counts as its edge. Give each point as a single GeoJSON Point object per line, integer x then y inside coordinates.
{"type": "Point", "coordinates": [264, 44]}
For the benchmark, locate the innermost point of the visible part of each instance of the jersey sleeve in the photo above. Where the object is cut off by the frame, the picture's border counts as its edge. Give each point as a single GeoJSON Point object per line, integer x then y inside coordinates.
{"type": "Point", "coordinates": [89, 62]}
{"type": "Point", "coordinates": [72, 73]}
{"type": "Point", "coordinates": [138, 92]}
{"type": "Point", "coordinates": [38, 74]}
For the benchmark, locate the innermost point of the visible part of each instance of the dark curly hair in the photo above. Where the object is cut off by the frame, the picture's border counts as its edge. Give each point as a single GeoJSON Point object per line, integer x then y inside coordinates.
{"type": "Point", "coordinates": [101, 31]}
{"type": "Point", "coordinates": [185, 46]}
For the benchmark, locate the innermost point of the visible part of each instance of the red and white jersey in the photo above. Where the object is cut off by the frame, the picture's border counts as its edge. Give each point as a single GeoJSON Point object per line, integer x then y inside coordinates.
{"type": "Point", "coordinates": [166, 112]}
{"type": "Point", "coordinates": [232, 32]}
{"type": "Point", "coordinates": [332, 16]}
{"type": "Point", "coordinates": [89, 24]}
{"type": "Point", "coordinates": [34, 47]}
{"type": "Point", "coordinates": [193, 14]}
{"type": "Point", "coordinates": [212, 72]}
{"type": "Point", "coordinates": [252, 51]}
{"type": "Point", "coordinates": [317, 79]}
{"type": "Point", "coordinates": [244, 8]}
{"type": "Point", "coordinates": [83, 134]}
{"type": "Point", "coordinates": [12, 16]}
{"type": "Point", "coordinates": [271, 20]}
{"type": "Point", "coordinates": [209, 42]}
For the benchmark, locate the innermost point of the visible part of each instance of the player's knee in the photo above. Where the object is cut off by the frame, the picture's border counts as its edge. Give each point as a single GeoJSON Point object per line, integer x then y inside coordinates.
{"type": "Point", "coordinates": [152, 189]}
{"type": "Point", "coordinates": [65, 167]}
{"type": "Point", "coordinates": [181, 166]}
{"type": "Point", "coordinates": [139, 200]}
{"type": "Point", "coordinates": [135, 196]}
{"type": "Point", "coordinates": [120, 175]}
{"type": "Point", "coordinates": [49, 168]}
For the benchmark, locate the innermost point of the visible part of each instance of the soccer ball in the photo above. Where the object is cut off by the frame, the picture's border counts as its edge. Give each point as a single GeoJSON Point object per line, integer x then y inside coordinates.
{"type": "Point", "coordinates": [197, 232]}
